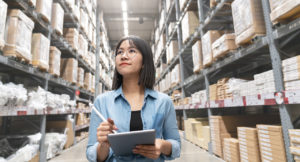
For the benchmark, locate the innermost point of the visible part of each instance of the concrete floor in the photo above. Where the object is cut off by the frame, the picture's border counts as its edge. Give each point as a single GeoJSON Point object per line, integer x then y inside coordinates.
{"type": "Point", "coordinates": [189, 153]}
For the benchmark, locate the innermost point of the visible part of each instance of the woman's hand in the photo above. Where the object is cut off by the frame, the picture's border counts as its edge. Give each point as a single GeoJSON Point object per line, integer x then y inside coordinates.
{"type": "Point", "coordinates": [104, 129]}
{"type": "Point", "coordinates": [153, 151]}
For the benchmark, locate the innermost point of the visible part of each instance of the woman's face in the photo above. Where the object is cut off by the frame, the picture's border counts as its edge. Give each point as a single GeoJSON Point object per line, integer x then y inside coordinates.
{"type": "Point", "coordinates": [128, 59]}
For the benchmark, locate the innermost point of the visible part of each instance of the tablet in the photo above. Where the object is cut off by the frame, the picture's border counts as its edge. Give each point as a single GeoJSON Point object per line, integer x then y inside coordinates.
{"type": "Point", "coordinates": [123, 143]}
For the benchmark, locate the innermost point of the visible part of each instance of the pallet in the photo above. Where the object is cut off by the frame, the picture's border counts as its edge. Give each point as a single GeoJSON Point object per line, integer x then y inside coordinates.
{"type": "Point", "coordinates": [17, 56]}
{"type": "Point", "coordinates": [251, 40]}
{"type": "Point", "coordinates": [197, 71]}
{"type": "Point", "coordinates": [40, 66]}
{"type": "Point", "coordinates": [223, 55]}
{"type": "Point", "coordinates": [287, 17]}
{"type": "Point", "coordinates": [59, 33]}
{"type": "Point", "coordinates": [54, 74]}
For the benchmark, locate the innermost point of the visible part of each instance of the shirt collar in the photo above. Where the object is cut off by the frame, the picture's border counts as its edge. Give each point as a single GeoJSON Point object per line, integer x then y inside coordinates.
{"type": "Point", "coordinates": [148, 92]}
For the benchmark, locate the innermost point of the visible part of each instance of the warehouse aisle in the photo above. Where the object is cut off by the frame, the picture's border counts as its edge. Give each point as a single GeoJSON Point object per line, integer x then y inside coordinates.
{"type": "Point", "coordinates": [189, 153]}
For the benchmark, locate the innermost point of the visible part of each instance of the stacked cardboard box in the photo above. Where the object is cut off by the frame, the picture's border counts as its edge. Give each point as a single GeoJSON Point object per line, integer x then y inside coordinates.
{"type": "Point", "coordinates": [222, 89]}
{"type": "Point", "coordinates": [71, 35]}
{"type": "Point", "coordinates": [271, 143]}
{"type": "Point", "coordinates": [199, 96]}
{"type": "Point", "coordinates": [248, 142]}
{"type": "Point", "coordinates": [291, 73]}
{"type": "Point", "coordinates": [207, 41]}
{"type": "Point", "coordinates": [18, 35]}
{"type": "Point", "coordinates": [213, 92]}
{"type": "Point", "coordinates": [68, 69]}
{"type": "Point", "coordinates": [3, 12]}
{"type": "Point", "coordinates": [80, 77]}
{"type": "Point", "coordinates": [190, 22]}
{"type": "Point", "coordinates": [81, 119]}
{"type": "Point", "coordinates": [197, 56]}
{"type": "Point", "coordinates": [199, 133]}
{"type": "Point", "coordinates": [223, 45]}
{"type": "Point", "coordinates": [40, 51]}
{"type": "Point", "coordinates": [295, 143]}
{"type": "Point", "coordinates": [231, 150]}
{"type": "Point", "coordinates": [87, 80]}
{"type": "Point", "coordinates": [175, 76]}
{"type": "Point", "coordinates": [44, 7]}
{"type": "Point", "coordinates": [84, 23]}
{"type": "Point", "coordinates": [248, 20]}
{"type": "Point", "coordinates": [172, 51]}
{"type": "Point", "coordinates": [82, 47]}
{"type": "Point", "coordinates": [57, 19]}
{"type": "Point", "coordinates": [265, 82]}
{"type": "Point", "coordinates": [284, 10]}
{"type": "Point", "coordinates": [248, 88]}
{"type": "Point", "coordinates": [193, 128]}
{"type": "Point", "coordinates": [54, 61]}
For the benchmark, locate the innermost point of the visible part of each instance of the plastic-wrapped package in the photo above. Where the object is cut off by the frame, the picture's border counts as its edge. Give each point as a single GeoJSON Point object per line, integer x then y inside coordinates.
{"type": "Point", "coordinates": [88, 80]}
{"type": "Point", "coordinates": [3, 11]}
{"type": "Point", "coordinates": [37, 99]}
{"type": "Point", "coordinates": [71, 35]}
{"type": "Point", "coordinates": [223, 45]}
{"type": "Point", "coordinates": [40, 51]}
{"type": "Point", "coordinates": [248, 20]}
{"type": "Point", "coordinates": [172, 51]}
{"type": "Point", "coordinates": [83, 46]}
{"type": "Point", "coordinates": [24, 154]}
{"type": "Point", "coordinates": [90, 31]}
{"type": "Point", "coordinates": [161, 20]}
{"type": "Point", "coordinates": [35, 138]}
{"type": "Point", "coordinates": [284, 10]}
{"type": "Point", "coordinates": [175, 76]}
{"type": "Point", "coordinates": [54, 61]}
{"type": "Point", "coordinates": [76, 12]}
{"type": "Point", "coordinates": [18, 35]}
{"type": "Point", "coordinates": [233, 87]}
{"type": "Point", "coordinates": [190, 22]}
{"type": "Point", "coordinates": [207, 40]}
{"type": "Point", "coordinates": [84, 23]}
{"type": "Point", "coordinates": [93, 60]}
{"type": "Point", "coordinates": [57, 18]}
{"type": "Point", "coordinates": [55, 142]}
{"type": "Point", "coordinates": [80, 77]}
{"type": "Point", "coordinates": [68, 69]}
{"type": "Point", "coordinates": [93, 84]}
{"type": "Point", "coordinates": [44, 7]}
{"type": "Point", "coordinates": [197, 56]}
{"type": "Point", "coordinates": [12, 94]}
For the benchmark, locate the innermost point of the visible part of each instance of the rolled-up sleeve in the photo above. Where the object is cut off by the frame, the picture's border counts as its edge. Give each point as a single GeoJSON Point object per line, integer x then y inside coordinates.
{"type": "Point", "coordinates": [91, 150]}
{"type": "Point", "coordinates": [170, 131]}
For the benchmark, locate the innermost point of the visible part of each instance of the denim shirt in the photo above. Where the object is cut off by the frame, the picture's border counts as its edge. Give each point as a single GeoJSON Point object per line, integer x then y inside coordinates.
{"type": "Point", "coordinates": [157, 113]}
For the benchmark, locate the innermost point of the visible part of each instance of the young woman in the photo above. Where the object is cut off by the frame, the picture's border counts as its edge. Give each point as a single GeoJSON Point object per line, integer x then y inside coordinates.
{"type": "Point", "coordinates": [134, 105]}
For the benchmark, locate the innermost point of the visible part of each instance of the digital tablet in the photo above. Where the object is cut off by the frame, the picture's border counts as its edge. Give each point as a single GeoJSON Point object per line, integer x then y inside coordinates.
{"type": "Point", "coordinates": [123, 143]}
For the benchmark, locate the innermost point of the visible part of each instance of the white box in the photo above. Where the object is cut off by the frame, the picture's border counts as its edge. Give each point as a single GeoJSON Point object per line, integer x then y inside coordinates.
{"type": "Point", "coordinates": [44, 7]}
{"type": "Point", "coordinates": [3, 12]}
{"type": "Point", "coordinates": [57, 19]}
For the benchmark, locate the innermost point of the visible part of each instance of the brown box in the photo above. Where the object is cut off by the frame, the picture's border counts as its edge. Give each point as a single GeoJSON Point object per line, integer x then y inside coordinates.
{"type": "Point", "coordinates": [71, 35]}
{"type": "Point", "coordinates": [223, 45]}
{"type": "Point", "coordinates": [57, 18]}
{"type": "Point", "coordinates": [284, 10]}
{"type": "Point", "coordinates": [248, 20]}
{"type": "Point", "coordinates": [175, 77]}
{"type": "Point", "coordinates": [44, 7]}
{"type": "Point", "coordinates": [83, 48]}
{"type": "Point", "coordinates": [68, 69]}
{"type": "Point", "coordinates": [295, 150]}
{"type": "Point", "coordinates": [18, 35]}
{"type": "Point", "coordinates": [213, 92]}
{"type": "Point", "coordinates": [172, 51]}
{"type": "Point", "coordinates": [207, 41]}
{"type": "Point", "coordinates": [54, 61]}
{"type": "Point", "coordinates": [190, 23]}
{"type": "Point", "coordinates": [40, 51]}
{"type": "Point", "coordinates": [273, 128]}
{"type": "Point", "coordinates": [3, 12]}
{"type": "Point", "coordinates": [197, 56]}
{"type": "Point", "coordinates": [87, 80]}
{"type": "Point", "coordinates": [80, 77]}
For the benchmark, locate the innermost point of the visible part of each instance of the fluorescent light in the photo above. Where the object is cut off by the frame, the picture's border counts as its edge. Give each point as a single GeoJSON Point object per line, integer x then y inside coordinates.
{"type": "Point", "coordinates": [125, 23]}
{"type": "Point", "coordinates": [125, 16]}
{"type": "Point", "coordinates": [124, 5]}
{"type": "Point", "coordinates": [126, 32]}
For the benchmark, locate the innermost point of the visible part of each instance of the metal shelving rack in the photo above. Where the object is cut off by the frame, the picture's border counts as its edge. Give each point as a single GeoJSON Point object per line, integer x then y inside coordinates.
{"type": "Point", "coordinates": [263, 54]}
{"type": "Point", "coordinates": [46, 80]}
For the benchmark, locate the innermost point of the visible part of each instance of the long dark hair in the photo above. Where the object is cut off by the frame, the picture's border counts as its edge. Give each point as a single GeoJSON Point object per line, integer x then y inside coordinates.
{"type": "Point", "coordinates": [147, 74]}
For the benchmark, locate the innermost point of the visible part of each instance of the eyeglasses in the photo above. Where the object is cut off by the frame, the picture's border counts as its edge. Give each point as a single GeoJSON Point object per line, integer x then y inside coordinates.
{"type": "Point", "coordinates": [131, 53]}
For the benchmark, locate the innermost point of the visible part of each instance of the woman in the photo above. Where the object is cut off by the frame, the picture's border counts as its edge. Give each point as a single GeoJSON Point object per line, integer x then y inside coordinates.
{"type": "Point", "coordinates": [134, 105]}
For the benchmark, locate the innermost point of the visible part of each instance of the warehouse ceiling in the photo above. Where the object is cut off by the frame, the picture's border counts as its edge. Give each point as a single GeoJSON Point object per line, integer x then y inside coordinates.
{"type": "Point", "coordinates": [141, 17]}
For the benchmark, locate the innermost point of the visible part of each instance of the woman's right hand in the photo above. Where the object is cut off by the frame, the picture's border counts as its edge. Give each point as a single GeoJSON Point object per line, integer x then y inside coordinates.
{"type": "Point", "coordinates": [104, 129]}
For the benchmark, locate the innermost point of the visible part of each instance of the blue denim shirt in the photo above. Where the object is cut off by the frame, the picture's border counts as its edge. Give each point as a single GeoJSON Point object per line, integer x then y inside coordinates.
{"type": "Point", "coordinates": [157, 113]}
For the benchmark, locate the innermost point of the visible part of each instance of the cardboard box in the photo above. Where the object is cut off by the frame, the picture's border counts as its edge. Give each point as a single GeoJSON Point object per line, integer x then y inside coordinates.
{"type": "Point", "coordinates": [87, 80]}
{"type": "Point", "coordinates": [18, 35]}
{"type": "Point", "coordinates": [207, 41]}
{"type": "Point", "coordinates": [284, 10]}
{"type": "Point", "coordinates": [248, 20]}
{"type": "Point", "coordinates": [84, 23]}
{"type": "Point", "coordinates": [223, 45]}
{"type": "Point", "coordinates": [3, 12]}
{"type": "Point", "coordinates": [291, 75]}
{"type": "Point", "coordinates": [83, 47]}
{"type": "Point", "coordinates": [54, 61]}
{"type": "Point", "coordinates": [71, 35]}
{"type": "Point", "coordinates": [213, 92]}
{"type": "Point", "coordinates": [273, 128]}
{"type": "Point", "coordinates": [197, 56]}
{"type": "Point", "coordinates": [40, 51]}
{"type": "Point", "coordinates": [80, 77]}
{"type": "Point", "coordinates": [68, 69]}
{"type": "Point", "coordinates": [190, 23]}
{"type": "Point", "coordinates": [172, 51]}
{"type": "Point", "coordinates": [291, 64]}
{"type": "Point", "coordinates": [44, 7]}
{"type": "Point", "coordinates": [175, 77]}
{"type": "Point", "coordinates": [57, 18]}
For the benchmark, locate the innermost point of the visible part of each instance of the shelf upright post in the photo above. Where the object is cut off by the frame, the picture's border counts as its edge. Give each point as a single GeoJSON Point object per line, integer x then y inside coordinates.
{"type": "Point", "coordinates": [180, 47]}
{"type": "Point", "coordinates": [284, 110]}
{"type": "Point", "coordinates": [209, 111]}
{"type": "Point", "coordinates": [97, 75]}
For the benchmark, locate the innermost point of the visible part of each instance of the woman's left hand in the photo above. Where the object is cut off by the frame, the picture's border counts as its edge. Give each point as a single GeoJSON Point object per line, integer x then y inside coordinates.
{"type": "Point", "coordinates": [150, 151]}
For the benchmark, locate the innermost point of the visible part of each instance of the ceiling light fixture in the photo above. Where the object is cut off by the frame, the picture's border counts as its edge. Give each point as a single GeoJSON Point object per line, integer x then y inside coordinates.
{"type": "Point", "coordinates": [125, 17]}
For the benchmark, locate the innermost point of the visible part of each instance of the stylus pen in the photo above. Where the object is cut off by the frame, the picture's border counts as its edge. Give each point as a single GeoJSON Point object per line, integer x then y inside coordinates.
{"type": "Point", "coordinates": [100, 115]}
